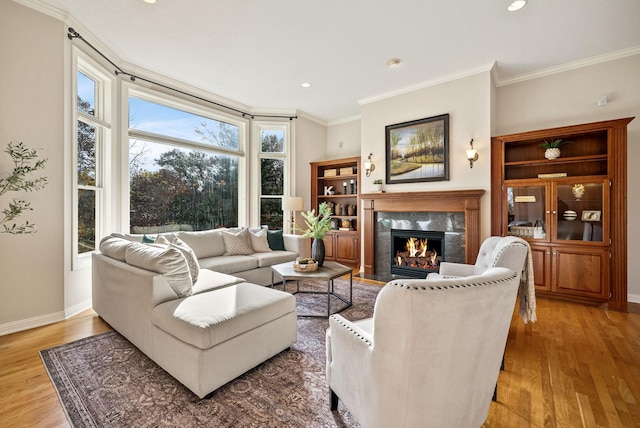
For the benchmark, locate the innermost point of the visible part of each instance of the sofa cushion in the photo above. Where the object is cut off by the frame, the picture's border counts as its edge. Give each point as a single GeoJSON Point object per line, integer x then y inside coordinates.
{"type": "Point", "coordinates": [189, 255]}
{"type": "Point", "coordinates": [206, 243]}
{"type": "Point", "coordinates": [114, 247]}
{"type": "Point", "coordinates": [276, 241]}
{"type": "Point", "coordinates": [206, 319]}
{"type": "Point", "coordinates": [229, 264]}
{"type": "Point", "coordinates": [259, 241]}
{"type": "Point", "coordinates": [237, 243]}
{"type": "Point", "coordinates": [210, 280]}
{"type": "Point", "coordinates": [274, 257]}
{"type": "Point", "coordinates": [164, 259]}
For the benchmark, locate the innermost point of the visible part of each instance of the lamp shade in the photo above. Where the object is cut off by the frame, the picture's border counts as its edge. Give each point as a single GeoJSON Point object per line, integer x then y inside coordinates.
{"type": "Point", "coordinates": [292, 203]}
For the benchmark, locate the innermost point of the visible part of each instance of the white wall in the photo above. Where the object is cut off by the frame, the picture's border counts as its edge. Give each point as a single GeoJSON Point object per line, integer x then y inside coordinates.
{"type": "Point", "coordinates": [31, 110]}
{"type": "Point", "coordinates": [569, 98]}
{"type": "Point", "coordinates": [467, 101]}
{"type": "Point", "coordinates": [311, 140]}
{"type": "Point", "coordinates": [343, 139]}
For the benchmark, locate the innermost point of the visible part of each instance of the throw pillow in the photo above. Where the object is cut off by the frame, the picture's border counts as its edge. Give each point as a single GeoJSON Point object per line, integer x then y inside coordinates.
{"type": "Point", "coordinates": [259, 241]}
{"type": "Point", "coordinates": [275, 239]}
{"type": "Point", "coordinates": [164, 259]}
{"type": "Point", "coordinates": [189, 255]}
{"type": "Point", "coordinates": [237, 243]}
{"type": "Point", "coordinates": [147, 239]}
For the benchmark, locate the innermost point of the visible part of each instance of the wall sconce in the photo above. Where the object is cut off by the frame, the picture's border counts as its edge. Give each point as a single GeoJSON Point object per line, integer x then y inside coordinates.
{"type": "Point", "coordinates": [472, 154]}
{"type": "Point", "coordinates": [369, 166]}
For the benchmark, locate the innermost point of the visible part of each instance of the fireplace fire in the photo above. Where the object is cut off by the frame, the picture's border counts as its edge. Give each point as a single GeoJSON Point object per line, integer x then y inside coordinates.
{"type": "Point", "coordinates": [416, 253]}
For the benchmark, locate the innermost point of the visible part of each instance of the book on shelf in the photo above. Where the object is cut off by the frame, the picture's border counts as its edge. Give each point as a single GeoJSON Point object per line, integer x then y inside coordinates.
{"type": "Point", "coordinates": [553, 175]}
{"type": "Point", "coordinates": [345, 228]}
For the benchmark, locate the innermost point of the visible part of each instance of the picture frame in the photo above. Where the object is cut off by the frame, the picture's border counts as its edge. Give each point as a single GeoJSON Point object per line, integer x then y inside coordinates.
{"type": "Point", "coordinates": [418, 150]}
{"type": "Point", "coordinates": [589, 215]}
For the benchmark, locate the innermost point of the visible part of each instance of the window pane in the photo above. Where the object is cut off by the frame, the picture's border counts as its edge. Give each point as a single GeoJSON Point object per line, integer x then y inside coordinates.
{"type": "Point", "coordinates": [86, 154]}
{"type": "Point", "coordinates": [271, 213]}
{"type": "Point", "coordinates": [180, 187]}
{"type": "Point", "coordinates": [272, 141]}
{"type": "Point", "coordinates": [159, 119]}
{"type": "Point", "coordinates": [86, 94]}
{"type": "Point", "coordinates": [86, 220]}
{"type": "Point", "coordinates": [272, 176]}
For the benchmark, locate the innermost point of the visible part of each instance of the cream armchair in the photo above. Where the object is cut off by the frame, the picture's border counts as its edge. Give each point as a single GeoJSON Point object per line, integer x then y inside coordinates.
{"type": "Point", "coordinates": [496, 251]}
{"type": "Point", "coordinates": [429, 357]}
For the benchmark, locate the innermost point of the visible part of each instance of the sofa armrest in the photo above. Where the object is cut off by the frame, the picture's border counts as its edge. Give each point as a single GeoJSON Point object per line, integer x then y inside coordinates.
{"type": "Point", "coordinates": [456, 269]}
{"type": "Point", "coordinates": [297, 244]}
{"type": "Point", "coordinates": [345, 343]}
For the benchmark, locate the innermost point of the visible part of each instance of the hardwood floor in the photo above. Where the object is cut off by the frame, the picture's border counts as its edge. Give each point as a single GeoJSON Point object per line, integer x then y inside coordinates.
{"type": "Point", "coordinates": [578, 366]}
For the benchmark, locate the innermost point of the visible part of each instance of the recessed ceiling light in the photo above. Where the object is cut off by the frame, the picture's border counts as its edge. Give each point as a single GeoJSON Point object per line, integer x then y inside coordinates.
{"type": "Point", "coordinates": [150, 1]}
{"type": "Point", "coordinates": [306, 85]}
{"type": "Point", "coordinates": [393, 62]}
{"type": "Point", "coordinates": [516, 5]}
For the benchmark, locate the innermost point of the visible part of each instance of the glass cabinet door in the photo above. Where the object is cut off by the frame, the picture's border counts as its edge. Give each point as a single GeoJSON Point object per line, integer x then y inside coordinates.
{"type": "Point", "coordinates": [580, 211]}
{"type": "Point", "coordinates": [526, 211]}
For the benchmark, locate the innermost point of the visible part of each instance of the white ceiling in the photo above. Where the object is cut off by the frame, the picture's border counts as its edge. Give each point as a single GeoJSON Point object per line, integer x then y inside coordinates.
{"type": "Point", "coordinates": [258, 52]}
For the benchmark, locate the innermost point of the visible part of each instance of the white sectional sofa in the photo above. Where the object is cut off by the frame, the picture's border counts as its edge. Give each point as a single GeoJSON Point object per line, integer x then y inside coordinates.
{"type": "Point", "coordinates": [203, 326]}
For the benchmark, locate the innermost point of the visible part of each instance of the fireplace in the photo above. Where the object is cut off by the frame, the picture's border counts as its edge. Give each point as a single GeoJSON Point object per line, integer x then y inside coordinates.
{"type": "Point", "coordinates": [416, 253]}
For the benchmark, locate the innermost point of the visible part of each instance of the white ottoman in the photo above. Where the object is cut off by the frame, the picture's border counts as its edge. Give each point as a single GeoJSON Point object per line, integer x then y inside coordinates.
{"type": "Point", "coordinates": [209, 339]}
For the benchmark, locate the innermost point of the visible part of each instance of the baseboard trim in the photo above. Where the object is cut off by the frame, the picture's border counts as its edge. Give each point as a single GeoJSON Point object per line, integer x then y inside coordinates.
{"type": "Point", "coordinates": [26, 324]}
{"type": "Point", "coordinates": [42, 320]}
{"type": "Point", "coordinates": [633, 298]}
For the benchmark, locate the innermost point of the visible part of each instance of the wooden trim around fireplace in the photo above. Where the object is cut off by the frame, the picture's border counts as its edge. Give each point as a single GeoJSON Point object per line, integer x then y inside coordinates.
{"type": "Point", "coordinates": [466, 201]}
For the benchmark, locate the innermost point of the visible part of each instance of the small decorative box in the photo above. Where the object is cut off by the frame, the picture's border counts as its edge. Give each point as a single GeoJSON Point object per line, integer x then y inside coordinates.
{"type": "Point", "coordinates": [346, 171]}
{"type": "Point", "coordinates": [330, 172]}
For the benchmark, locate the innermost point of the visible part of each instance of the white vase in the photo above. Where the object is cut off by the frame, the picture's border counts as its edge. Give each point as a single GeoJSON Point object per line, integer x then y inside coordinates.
{"type": "Point", "coordinates": [378, 187]}
{"type": "Point", "coordinates": [552, 153]}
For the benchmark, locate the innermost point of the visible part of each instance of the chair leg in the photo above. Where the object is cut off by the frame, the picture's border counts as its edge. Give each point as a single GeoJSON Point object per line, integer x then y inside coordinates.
{"type": "Point", "coordinates": [333, 400]}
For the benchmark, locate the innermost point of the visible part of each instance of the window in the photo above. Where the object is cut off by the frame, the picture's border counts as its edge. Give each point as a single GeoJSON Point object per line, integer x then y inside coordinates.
{"type": "Point", "coordinates": [92, 136]}
{"type": "Point", "coordinates": [273, 142]}
{"type": "Point", "coordinates": [185, 166]}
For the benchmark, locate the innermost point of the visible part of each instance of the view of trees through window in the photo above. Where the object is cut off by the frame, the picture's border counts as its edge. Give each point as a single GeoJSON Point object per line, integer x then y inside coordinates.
{"type": "Point", "coordinates": [178, 186]}
{"type": "Point", "coordinates": [272, 178]}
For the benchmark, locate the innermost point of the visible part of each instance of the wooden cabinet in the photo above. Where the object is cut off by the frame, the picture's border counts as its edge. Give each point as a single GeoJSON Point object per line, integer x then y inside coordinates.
{"type": "Point", "coordinates": [571, 209]}
{"type": "Point", "coordinates": [337, 183]}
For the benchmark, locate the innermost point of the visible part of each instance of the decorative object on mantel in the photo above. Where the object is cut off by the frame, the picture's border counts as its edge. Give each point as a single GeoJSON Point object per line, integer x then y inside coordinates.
{"type": "Point", "coordinates": [418, 150]}
{"type": "Point", "coordinates": [23, 165]}
{"type": "Point", "coordinates": [378, 185]}
{"type": "Point", "coordinates": [578, 191]}
{"type": "Point", "coordinates": [553, 148]}
{"type": "Point", "coordinates": [317, 228]}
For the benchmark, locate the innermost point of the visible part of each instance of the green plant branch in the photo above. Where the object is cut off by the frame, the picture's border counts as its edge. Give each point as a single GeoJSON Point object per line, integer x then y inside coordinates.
{"type": "Point", "coordinates": [25, 162]}
{"type": "Point", "coordinates": [317, 226]}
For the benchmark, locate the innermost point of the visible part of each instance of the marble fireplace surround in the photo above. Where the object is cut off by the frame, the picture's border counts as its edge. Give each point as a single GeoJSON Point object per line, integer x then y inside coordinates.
{"type": "Point", "coordinates": [452, 201]}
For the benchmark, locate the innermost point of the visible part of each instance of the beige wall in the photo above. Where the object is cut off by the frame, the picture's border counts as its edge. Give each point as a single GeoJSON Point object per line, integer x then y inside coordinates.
{"type": "Point", "coordinates": [310, 146]}
{"type": "Point", "coordinates": [569, 98]}
{"type": "Point", "coordinates": [343, 140]}
{"type": "Point", "coordinates": [467, 101]}
{"type": "Point", "coordinates": [31, 110]}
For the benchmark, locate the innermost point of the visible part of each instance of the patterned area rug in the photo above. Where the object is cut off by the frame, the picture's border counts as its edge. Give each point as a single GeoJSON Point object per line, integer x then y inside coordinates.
{"type": "Point", "coordinates": [104, 380]}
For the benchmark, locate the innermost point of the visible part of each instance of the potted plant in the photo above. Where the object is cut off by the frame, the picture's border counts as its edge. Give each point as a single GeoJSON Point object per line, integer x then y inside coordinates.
{"type": "Point", "coordinates": [317, 228]}
{"type": "Point", "coordinates": [378, 184]}
{"type": "Point", "coordinates": [553, 148]}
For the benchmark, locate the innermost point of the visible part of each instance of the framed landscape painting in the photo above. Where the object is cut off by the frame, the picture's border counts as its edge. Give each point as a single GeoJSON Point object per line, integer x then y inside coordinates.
{"type": "Point", "coordinates": [418, 150]}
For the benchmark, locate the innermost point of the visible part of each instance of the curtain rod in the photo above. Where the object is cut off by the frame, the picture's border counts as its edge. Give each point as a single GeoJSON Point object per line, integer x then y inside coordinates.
{"type": "Point", "coordinates": [73, 34]}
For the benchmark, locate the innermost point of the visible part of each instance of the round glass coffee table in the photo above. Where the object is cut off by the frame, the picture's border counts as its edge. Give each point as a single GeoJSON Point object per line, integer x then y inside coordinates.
{"type": "Point", "coordinates": [327, 272]}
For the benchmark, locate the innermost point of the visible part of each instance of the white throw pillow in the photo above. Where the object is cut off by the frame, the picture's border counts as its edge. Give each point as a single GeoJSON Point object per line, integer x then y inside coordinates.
{"type": "Point", "coordinates": [259, 241]}
{"type": "Point", "coordinates": [164, 259]}
{"type": "Point", "coordinates": [237, 243]}
{"type": "Point", "coordinates": [114, 247]}
{"type": "Point", "coordinates": [189, 255]}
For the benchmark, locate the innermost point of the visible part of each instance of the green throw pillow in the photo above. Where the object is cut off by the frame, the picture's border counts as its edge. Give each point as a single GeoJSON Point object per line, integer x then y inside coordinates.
{"type": "Point", "coordinates": [275, 239]}
{"type": "Point", "coordinates": [148, 239]}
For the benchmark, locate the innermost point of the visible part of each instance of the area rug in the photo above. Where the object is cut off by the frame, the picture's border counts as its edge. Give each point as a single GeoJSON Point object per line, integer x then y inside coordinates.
{"type": "Point", "coordinates": [104, 381]}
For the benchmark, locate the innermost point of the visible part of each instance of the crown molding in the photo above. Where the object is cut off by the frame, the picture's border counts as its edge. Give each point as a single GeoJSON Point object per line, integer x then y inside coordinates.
{"type": "Point", "coordinates": [599, 59]}
{"type": "Point", "coordinates": [429, 83]}
{"type": "Point", "coordinates": [44, 8]}
{"type": "Point", "coordinates": [345, 120]}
